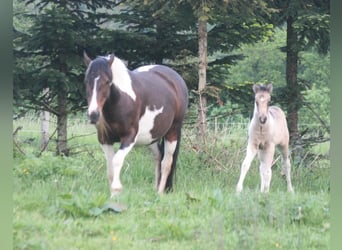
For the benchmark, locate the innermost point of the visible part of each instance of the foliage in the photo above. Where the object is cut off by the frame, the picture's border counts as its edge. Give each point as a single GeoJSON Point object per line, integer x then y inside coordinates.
{"type": "Point", "coordinates": [311, 21]}
{"type": "Point", "coordinates": [314, 74]}
{"type": "Point", "coordinates": [262, 62]}
{"type": "Point", "coordinates": [47, 57]}
{"type": "Point", "coordinates": [307, 26]}
{"type": "Point", "coordinates": [48, 53]}
{"type": "Point", "coordinates": [48, 70]}
{"type": "Point", "coordinates": [265, 62]}
{"type": "Point", "coordinates": [165, 32]}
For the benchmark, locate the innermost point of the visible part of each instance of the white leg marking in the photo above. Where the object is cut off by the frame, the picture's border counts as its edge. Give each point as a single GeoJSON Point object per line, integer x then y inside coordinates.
{"type": "Point", "coordinates": [250, 154]}
{"type": "Point", "coordinates": [109, 153]}
{"type": "Point", "coordinates": [146, 124]}
{"type": "Point", "coordinates": [117, 163]}
{"type": "Point", "coordinates": [93, 103]}
{"type": "Point", "coordinates": [169, 149]}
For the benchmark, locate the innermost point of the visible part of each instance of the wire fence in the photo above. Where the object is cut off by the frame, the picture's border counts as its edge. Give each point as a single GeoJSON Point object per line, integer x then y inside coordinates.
{"type": "Point", "coordinates": [224, 139]}
{"type": "Point", "coordinates": [31, 125]}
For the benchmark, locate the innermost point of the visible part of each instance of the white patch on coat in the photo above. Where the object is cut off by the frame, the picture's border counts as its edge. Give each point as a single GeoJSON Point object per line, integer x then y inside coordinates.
{"type": "Point", "coordinates": [107, 57]}
{"type": "Point", "coordinates": [145, 68]}
{"type": "Point", "coordinates": [121, 78]}
{"type": "Point", "coordinates": [146, 124]}
{"type": "Point", "coordinates": [93, 103]}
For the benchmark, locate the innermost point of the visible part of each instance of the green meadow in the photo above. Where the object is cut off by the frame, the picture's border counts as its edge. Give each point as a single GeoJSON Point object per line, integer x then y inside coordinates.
{"type": "Point", "coordinates": [64, 202]}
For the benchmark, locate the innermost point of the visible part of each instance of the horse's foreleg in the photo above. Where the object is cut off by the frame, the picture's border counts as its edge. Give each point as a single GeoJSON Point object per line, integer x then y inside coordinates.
{"type": "Point", "coordinates": [169, 149]}
{"type": "Point", "coordinates": [266, 159]}
{"type": "Point", "coordinates": [157, 158]}
{"type": "Point", "coordinates": [250, 154]}
{"type": "Point", "coordinates": [117, 164]}
{"type": "Point", "coordinates": [109, 153]}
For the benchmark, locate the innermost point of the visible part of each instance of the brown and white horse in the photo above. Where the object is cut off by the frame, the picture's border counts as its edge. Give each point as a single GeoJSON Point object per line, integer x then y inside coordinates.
{"type": "Point", "coordinates": [143, 106]}
{"type": "Point", "coordinates": [267, 129]}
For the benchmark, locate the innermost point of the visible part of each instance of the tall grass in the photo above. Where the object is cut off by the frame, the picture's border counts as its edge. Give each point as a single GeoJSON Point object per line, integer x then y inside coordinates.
{"type": "Point", "coordinates": [63, 202]}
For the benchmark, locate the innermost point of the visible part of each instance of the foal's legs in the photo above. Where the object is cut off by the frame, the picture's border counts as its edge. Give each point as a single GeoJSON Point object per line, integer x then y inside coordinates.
{"type": "Point", "coordinates": [251, 152]}
{"type": "Point", "coordinates": [166, 163]}
{"type": "Point", "coordinates": [266, 159]}
{"type": "Point", "coordinates": [157, 158]}
{"type": "Point", "coordinates": [284, 149]}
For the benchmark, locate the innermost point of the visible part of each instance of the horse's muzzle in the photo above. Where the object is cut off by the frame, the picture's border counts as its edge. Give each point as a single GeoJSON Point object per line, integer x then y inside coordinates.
{"type": "Point", "coordinates": [263, 119]}
{"type": "Point", "coordinates": [94, 117]}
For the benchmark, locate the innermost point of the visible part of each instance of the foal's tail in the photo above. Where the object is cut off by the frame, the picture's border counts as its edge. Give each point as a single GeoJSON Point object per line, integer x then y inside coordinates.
{"type": "Point", "coordinates": [169, 181]}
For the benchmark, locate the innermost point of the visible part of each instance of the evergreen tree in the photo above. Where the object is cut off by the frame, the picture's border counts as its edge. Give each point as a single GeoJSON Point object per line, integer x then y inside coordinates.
{"type": "Point", "coordinates": [48, 56]}
{"type": "Point", "coordinates": [307, 24]}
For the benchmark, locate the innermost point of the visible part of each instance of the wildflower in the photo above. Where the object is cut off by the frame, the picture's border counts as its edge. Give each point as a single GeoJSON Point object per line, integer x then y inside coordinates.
{"type": "Point", "coordinates": [114, 238]}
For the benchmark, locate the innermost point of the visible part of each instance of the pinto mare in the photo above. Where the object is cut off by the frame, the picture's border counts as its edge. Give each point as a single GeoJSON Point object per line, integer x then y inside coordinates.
{"type": "Point", "coordinates": [267, 129]}
{"type": "Point", "coordinates": [144, 106]}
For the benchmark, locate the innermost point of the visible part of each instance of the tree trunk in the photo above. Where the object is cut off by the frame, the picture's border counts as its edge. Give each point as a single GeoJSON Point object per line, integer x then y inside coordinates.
{"type": "Point", "coordinates": [62, 145]}
{"type": "Point", "coordinates": [294, 95]}
{"type": "Point", "coordinates": [202, 76]}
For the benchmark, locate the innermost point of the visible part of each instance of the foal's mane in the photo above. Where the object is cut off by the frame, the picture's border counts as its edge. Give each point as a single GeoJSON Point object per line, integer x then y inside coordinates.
{"type": "Point", "coordinates": [263, 88]}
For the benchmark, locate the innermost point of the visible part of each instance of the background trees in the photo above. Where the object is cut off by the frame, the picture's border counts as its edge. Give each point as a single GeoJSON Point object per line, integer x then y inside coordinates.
{"type": "Point", "coordinates": [238, 43]}
{"type": "Point", "coordinates": [47, 57]}
{"type": "Point", "coordinates": [307, 25]}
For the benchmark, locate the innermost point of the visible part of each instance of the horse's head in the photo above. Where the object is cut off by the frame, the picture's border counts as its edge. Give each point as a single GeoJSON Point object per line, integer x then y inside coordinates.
{"type": "Point", "coordinates": [262, 101]}
{"type": "Point", "coordinates": [98, 80]}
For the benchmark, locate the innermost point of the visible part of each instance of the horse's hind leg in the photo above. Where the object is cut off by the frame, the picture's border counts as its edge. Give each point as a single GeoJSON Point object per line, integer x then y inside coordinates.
{"type": "Point", "coordinates": [168, 161]}
{"type": "Point", "coordinates": [251, 152]}
{"type": "Point", "coordinates": [266, 159]}
{"type": "Point", "coordinates": [286, 170]}
{"type": "Point", "coordinates": [156, 152]}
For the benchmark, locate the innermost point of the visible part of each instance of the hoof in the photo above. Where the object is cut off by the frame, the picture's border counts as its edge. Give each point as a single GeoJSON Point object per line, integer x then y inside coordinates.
{"type": "Point", "coordinates": [115, 191]}
{"type": "Point", "coordinates": [238, 189]}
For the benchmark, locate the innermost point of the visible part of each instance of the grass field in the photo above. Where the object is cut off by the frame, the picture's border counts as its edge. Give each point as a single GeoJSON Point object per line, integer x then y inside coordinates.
{"type": "Point", "coordinates": [63, 202]}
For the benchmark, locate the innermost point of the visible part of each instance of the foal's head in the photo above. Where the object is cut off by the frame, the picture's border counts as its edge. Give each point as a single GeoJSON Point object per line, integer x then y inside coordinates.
{"type": "Point", "coordinates": [262, 101]}
{"type": "Point", "coordinates": [98, 79]}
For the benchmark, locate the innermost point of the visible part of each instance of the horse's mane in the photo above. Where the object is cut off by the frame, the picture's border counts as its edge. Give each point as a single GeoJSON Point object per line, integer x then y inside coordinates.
{"type": "Point", "coordinates": [103, 127]}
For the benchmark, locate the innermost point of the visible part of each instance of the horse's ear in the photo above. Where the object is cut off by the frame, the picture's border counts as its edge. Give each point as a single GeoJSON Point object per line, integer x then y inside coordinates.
{"type": "Point", "coordinates": [256, 88]}
{"type": "Point", "coordinates": [111, 59]}
{"type": "Point", "coordinates": [269, 87]}
{"type": "Point", "coordinates": [86, 58]}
